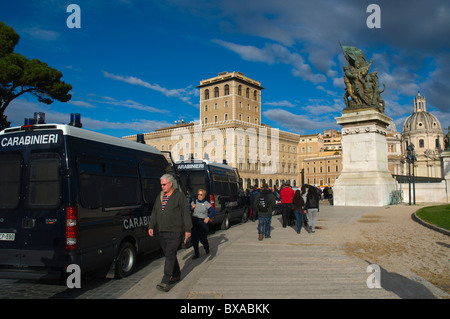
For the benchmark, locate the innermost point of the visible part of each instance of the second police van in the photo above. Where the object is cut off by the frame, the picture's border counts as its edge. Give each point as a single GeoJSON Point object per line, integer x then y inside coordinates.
{"type": "Point", "coordinates": [222, 184]}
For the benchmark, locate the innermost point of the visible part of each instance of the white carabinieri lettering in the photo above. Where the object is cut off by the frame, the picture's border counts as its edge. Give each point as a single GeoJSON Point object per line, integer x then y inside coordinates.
{"type": "Point", "coordinates": [29, 140]}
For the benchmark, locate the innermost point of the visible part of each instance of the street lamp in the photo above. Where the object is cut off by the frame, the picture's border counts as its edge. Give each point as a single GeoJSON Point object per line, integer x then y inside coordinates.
{"type": "Point", "coordinates": [411, 158]}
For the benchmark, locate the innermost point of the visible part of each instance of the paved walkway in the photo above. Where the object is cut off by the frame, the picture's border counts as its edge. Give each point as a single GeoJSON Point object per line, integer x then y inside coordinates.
{"type": "Point", "coordinates": [286, 266]}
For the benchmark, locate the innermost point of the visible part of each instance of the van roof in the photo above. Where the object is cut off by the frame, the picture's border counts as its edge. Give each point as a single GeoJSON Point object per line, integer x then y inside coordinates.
{"type": "Point", "coordinates": [84, 134]}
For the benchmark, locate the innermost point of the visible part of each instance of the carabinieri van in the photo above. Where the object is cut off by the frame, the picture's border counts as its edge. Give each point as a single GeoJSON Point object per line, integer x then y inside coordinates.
{"type": "Point", "coordinates": [72, 196]}
{"type": "Point", "coordinates": [222, 184]}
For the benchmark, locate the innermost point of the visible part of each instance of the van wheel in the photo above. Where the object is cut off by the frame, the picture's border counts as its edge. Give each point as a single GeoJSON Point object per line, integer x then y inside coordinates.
{"type": "Point", "coordinates": [126, 260]}
{"type": "Point", "coordinates": [225, 222]}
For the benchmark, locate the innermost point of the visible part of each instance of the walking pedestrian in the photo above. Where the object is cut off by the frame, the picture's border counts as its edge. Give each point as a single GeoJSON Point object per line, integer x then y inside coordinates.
{"type": "Point", "coordinates": [286, 195]}
{"type": "Point", "coordinates": [253, 193]}
{"type": "Point", "coordinates": [171, 216]}
{"type": "Point", "coordinates": [265, 204]}
{"type": "Point", "coordinates": [202, 213]}
{"type": "Point", "coordinates": [312, 205]}
{"type": "Point", "coordinates": [298, 205]}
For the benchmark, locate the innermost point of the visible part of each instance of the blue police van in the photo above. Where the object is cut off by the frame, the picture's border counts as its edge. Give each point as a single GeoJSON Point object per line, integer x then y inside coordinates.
{"type": "Point", "coordinates": [72, 196]}
{"type": "Point", "coordinates": [222, 183]}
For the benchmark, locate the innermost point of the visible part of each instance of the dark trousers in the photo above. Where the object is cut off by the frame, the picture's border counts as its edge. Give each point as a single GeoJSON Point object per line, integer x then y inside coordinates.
{"type": "Point", "coordinates": [199, 234]}
{"type": "Point", "coordinates": [170, 242]}
{"type": "Point", "coordinates": [286, 212]}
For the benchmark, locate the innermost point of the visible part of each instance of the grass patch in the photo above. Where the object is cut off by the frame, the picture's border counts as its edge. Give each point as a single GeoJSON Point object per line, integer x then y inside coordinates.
{"type": "Point", "coordinates": [436, 215]}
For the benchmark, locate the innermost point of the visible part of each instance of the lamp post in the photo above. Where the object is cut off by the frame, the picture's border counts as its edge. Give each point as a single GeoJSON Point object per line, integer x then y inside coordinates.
{"type": "Point", "coordinates": [411, 158]}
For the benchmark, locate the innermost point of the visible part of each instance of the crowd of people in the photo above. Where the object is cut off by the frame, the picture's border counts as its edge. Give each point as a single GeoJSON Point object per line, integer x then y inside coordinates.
{"type": "Point", "coordinates": [299, 207]}
{"type": "Point", "coordinates": [178, 217]}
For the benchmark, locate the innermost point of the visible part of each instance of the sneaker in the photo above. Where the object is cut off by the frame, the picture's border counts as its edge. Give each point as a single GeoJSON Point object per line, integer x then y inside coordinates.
{"type": "Point", "coordinates": [163, 287]}
{"type": "Point", "coordinates": [268, 236]}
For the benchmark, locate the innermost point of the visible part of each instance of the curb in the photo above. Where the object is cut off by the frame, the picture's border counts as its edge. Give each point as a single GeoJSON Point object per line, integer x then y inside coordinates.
{"type": "Point", "coordinates": [431, 226]}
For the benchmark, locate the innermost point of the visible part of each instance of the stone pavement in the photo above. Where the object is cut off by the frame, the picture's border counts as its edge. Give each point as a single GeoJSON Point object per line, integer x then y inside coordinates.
{"type": "Point", "coordinates": [286, 266]}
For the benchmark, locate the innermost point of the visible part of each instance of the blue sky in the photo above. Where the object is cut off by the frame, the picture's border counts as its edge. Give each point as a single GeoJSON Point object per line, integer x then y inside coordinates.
{"type": "Point", "coordinates": [134, 65]}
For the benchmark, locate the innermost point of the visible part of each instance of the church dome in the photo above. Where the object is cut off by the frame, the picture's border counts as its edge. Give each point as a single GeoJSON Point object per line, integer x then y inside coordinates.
{"type": "Point", "coordinates": [421, 119]}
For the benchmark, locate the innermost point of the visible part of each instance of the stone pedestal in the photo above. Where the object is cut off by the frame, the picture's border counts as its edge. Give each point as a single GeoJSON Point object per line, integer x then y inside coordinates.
{"type": "Point", "coordinates": [365, 179]}
{"type": "Point", "coordinates": [446, 171]}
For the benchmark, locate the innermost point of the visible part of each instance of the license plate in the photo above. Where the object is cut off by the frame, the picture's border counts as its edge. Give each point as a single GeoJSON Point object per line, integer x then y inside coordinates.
{"type": "Point", "coordinates": [7, 236]}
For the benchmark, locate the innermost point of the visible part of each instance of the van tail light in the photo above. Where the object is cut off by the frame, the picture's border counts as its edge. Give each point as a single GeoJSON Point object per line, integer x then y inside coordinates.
{"type": "Point", "coordinates": [71, 228]}
{"type": "Point", "coordinates": [211, 201]}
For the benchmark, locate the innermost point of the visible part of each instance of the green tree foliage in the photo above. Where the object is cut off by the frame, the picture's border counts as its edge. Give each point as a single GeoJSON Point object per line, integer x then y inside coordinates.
{"type": "Point", "coordinates": [19, 75]}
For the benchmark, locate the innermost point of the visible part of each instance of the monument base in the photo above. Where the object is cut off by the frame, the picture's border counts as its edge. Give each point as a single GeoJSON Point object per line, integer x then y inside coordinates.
{"type": "Point", "coordinates": [365, 179]}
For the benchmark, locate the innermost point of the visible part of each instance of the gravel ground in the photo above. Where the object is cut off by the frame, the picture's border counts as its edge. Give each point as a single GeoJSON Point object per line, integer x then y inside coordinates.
{"type": "Point", "coordinates": [397, 243]}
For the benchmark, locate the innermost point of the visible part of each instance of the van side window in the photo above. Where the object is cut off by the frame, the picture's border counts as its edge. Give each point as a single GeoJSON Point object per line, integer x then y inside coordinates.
{"type": "Point", "coordinates": [10, 177]}
{"type": "Point", "coordinates": [44, 188]}
{"type": "Point", "coordinates": [151, 170]}
{"type": "Point", "coordinates": [108, 183]}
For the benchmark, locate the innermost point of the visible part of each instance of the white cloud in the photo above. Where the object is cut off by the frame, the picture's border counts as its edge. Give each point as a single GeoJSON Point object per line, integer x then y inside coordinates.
{"type": "Point", "coordinates": [298, 123]}
{"type": "Point", "coordinates": [280, 103]}
{"type": "Point", "coordinates": [273, 54]}
{"type": "Point", "coordinates": [184, 94]}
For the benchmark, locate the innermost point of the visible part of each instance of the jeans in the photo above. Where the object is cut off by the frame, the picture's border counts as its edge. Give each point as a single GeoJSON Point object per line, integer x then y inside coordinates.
{"type": "Point", "coordinates": [286, 210]}
{"type": "Point", "coordinates": [199, 234]}
{"type": "Point", "coordinates": [170, 242]}
{"type": "Point", "coordinates": [312, 212]}
{"type": "Point", "coordinates": [264, 224]}
{"type": "Point", "coordinates": [299, 217]}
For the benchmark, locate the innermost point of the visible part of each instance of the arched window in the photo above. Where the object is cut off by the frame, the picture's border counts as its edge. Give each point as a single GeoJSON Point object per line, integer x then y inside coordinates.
{"type": "Point", "coordinates": [255, 95]}
{"type": "Point", "coordinates": [421, 143]}
{"type": "Point", "coordinates": [206, 94]}
{"type": "Point", "coordinates": [240, 90]}
{"type": "Point", "coordinates": [227, 89]}
{"type": "Point", "coordinates": [216, 92]}
{"type": "Point", "coordinates": [247, 93]}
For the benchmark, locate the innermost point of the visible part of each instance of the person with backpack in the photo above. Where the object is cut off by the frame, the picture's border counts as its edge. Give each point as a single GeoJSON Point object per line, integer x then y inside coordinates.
{"type": "Point", "coordinates": [265, 204]}
{"type": "Point", "coordinates": [312, 204]}
{"type": "Point", "coordinates": [202, 213]}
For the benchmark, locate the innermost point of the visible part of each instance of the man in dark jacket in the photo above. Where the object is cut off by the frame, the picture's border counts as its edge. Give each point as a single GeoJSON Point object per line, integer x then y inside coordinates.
{"type": "Point", "coordinates": [265, 204]}
{"type": "Point", "coordinates": [171, 216]}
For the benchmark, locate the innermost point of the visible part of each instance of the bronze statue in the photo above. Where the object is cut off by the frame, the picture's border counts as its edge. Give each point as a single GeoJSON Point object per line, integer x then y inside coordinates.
{"type": "Point", "coordinates": [362, 87]}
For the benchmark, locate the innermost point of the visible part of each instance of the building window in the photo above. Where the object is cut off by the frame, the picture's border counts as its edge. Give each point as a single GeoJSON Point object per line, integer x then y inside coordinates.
{"type": "Point", "coordinates": [421, 143]}
{"type": "Point", "coordinates": [227, 89]}
{"type": "Point", "coordinates": [255, 95]}
{"type": "Point", "coordinates": [240, 90]}
{"type": "Point", "coordinates": [206, 94]}
{"type": "Point", "coordinates": [247, 93]}
{"type": "Point", "coordinates": [215, 118]}
{"type": "Point", "coordinates": [206, 108]}
{"type": "Point", "coordinates": [206, 120]}
{"type": "Point", "coordinates": [216, 92]}
{"type": "Point", "coordinates": [226, 117]}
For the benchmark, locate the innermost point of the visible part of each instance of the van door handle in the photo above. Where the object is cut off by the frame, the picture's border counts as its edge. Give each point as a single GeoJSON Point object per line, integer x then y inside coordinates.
{"type": "Point", "coordinates": [28, 223]}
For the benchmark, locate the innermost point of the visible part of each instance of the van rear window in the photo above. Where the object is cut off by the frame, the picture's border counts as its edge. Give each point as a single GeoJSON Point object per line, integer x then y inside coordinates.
{"type": "Point", "coordinates": [44, 189]}
{"type": "Point", "coordinates": [10, 177]}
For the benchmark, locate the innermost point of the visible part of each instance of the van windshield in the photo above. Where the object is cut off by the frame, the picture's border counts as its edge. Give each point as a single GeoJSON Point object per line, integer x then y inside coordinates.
{"type": "Point", "coordinates": [10, 176]}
